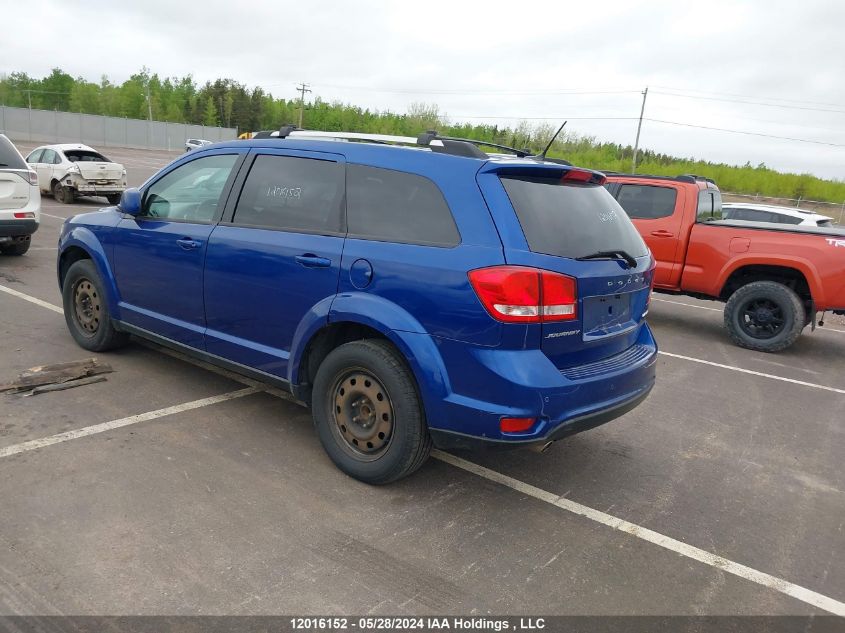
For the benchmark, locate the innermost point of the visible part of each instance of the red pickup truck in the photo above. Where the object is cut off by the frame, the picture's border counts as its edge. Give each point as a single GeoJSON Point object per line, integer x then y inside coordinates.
{"type": "Point", "coordinates": [774, 278]}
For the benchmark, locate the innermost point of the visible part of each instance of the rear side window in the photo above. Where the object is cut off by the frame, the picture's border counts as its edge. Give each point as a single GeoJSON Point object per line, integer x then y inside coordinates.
{"type": "Point", "coordinates": [49, 157]}
{"type": "Point", "coordinates": [824, 223]}
{"type": "Point", "coordinates": [394, 206]}
{"type": "Point", "coordinates": [710, 205]}
{"type": "Point", "coordinates": [9, 156]}
{"type": "Point", "coordinates": [647, 202]}
{"type": "Point", "coordinates": [292, 194]}
{"type": "Point", "coordinates": [570, 220]}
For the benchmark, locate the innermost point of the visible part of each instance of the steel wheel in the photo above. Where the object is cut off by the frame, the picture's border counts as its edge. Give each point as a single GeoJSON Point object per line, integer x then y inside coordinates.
{"type": "Point", "coordinates": [761, 318]}
{"type": "Point", "coordinates": [87, 306]}
{"type": "Point", "coordinates": [362, 413]}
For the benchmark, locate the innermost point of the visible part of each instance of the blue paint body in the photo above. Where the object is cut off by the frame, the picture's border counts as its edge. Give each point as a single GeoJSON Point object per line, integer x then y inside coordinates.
{"type": "Point", "coordinates": [257, 297]}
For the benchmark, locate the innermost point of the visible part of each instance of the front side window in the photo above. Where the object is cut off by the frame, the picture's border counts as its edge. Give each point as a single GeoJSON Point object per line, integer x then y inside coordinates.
{"type": "Point", "coordinates": [647, 202]}
{"type": "Point", "coordinates": [191, 192]}
{"type": "Point", "coordinates": [301, 195]}
{"type": "Point", "coordinates": [393, 206]}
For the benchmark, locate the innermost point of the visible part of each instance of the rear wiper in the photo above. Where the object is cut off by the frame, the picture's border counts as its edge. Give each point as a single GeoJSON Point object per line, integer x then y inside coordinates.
{"type": "Point", "coordinates": [629, 259]}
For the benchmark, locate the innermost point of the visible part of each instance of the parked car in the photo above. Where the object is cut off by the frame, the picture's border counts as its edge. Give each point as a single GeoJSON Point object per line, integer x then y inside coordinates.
{"type": "Point", "coordinates": [195, 143]}
{"type": "Point", "coordinates": [774, 214]}
{"type": "Point", "coordinates": [773, 278]}
{"type": "Point", "coordinates": [20, 201]}
{"type": "Point", "coordinates": [411, 296]}
{"type": "Point", "coordinates": [71, 170]}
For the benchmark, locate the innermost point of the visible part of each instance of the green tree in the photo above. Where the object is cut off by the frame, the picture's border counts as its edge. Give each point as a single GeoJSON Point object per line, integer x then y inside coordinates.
{"type": "Point", "coordinates": [209, 116]}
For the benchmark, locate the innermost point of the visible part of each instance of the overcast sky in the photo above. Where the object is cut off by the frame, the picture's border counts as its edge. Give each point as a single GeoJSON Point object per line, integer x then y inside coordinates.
{"type": "Point", "coordinates": [491, 59]}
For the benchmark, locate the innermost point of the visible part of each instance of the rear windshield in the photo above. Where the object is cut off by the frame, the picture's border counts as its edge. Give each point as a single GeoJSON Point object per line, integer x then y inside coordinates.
{"type": "Point", "coordinates": [571, 220]}
{"type": "Point", "coordinates": [85, 156]}
{"type": "Point", "coordinates": [10, 158]}
{"type": "Point", "coordinates": [824, 223]}
{"type": "Point", "coordinates": [710, 205]}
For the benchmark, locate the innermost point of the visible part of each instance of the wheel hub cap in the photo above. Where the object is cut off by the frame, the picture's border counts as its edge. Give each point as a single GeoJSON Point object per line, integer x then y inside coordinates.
{"type": "Point", "coordinates": [87, 307]}
{"type": "Point", "coordinates": [362, 412]}
{"type": "Point", "coordinates": [762, 319]}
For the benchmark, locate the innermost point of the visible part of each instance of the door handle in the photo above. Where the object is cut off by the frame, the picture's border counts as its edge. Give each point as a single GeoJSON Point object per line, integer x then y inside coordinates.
{"type": "Point", "coordinates": [662, 233]}
{"type": "Point", "coordinates": [310, 260]}
{"type": "Point", "coordinates": [187, 243]}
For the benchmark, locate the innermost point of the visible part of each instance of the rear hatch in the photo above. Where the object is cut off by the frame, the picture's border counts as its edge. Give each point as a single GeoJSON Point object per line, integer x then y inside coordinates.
{"type": "Point", "coordinates": [571, 225]}
{"type": "Point", "coordinates": [14, 177]}
{"type": "Point", "coordinates": [94, 166]}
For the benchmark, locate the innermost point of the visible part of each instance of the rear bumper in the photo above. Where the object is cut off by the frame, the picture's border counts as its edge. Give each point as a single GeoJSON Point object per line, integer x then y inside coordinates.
{"type": "Point", "coordinates": [451, 440]}
{"type": "Point", "coordinates": [17, 228]}
{"type": "Point", "coordinates": [99, 190]}
{"type": "Point", "coordinates": [527, 384]}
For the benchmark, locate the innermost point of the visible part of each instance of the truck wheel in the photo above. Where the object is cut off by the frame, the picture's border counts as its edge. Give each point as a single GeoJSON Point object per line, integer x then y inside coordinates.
{"type": "Point", "coordinates": [87, 311]}
{"type": "Point", "coordinates": [18, 247]}
{"type": "Point", "coordinates": [62, 194]}
{"type": "Point", "coordinates": [113, 198]}
{"type": "Point", "coordinates": [765, 316]}
{"type": "Point", "coordinates": [368, 413]}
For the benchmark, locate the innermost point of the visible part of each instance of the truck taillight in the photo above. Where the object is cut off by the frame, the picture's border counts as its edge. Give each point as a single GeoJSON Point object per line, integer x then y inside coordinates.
{"type": "Point", "coordinates": [520, 294]}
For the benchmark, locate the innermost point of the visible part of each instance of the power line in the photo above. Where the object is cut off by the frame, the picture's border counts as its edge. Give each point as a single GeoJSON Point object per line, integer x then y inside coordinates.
{"type": "Point", "coordinates": [733, 94]}
{"type": "Point", "coordinates": [761, 103]}
{"type": "Point", "coordinates": [720, 129]}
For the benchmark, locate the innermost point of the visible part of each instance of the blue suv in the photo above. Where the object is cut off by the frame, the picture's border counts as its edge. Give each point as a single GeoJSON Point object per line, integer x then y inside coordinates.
{"type": "Point", "coordinates": [414, 292]}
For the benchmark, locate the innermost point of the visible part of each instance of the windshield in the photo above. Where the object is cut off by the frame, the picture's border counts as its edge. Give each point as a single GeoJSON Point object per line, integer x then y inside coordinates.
{"type": "Point", "coordinates": [571, 220]}
{"type": "Point", "coordinates": [85, 156]}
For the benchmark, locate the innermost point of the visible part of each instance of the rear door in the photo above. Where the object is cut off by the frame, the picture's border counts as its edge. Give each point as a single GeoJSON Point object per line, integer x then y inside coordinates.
{"type": "Point", "coordinates": [657, 211]}
{"type": "Point", "coordinates": [159, 255]}
{"type": "Point", "coordinates": [549, 222]}
{"type": "Point", "coordinates": [275, 256]}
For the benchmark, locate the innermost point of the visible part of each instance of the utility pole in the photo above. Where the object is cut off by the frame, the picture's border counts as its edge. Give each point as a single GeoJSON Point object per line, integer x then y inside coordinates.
{"type": "Point", "coordinates": [639, 127]}
{"type": "Point", "coordinates": [150, 113]}
{"type": "Point", "coordinates": [302, 88]}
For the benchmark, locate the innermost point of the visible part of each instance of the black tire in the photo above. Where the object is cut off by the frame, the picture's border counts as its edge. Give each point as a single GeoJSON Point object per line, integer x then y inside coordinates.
{"type": "Point", "coordinates": [113, 198]}
{"type": "Point", "coordinates": [18, 247]}
{"type": "Point", "coordinates": [396, 408]}
{"type": "Point", "coordinates": [765, 316]}
{"type": "Point", "coordinates": [86, 309]}
{"type": "Point", "coordinates": [62, 194]}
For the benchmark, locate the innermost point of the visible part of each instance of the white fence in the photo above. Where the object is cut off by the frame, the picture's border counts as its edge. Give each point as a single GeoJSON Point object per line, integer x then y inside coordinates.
{"type": "Point", "coordinates": [48, 126]}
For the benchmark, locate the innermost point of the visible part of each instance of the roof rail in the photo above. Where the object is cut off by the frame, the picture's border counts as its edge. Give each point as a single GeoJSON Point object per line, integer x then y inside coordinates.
{"type": "Point", "coordinates": [427, 137]}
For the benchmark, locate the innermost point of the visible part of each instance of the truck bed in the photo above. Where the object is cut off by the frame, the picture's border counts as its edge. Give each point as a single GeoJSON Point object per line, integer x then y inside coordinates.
{"type": "Point", "coordinates": [830, 231]}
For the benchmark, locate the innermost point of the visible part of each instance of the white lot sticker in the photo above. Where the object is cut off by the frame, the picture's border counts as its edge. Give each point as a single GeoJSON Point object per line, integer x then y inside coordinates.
{"type": "Point", "coordinates": [772, 582]}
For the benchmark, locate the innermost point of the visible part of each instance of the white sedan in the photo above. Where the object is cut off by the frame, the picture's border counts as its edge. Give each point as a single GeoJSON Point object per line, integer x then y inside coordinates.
{"type": "Point", "coordinates": [71, 170]}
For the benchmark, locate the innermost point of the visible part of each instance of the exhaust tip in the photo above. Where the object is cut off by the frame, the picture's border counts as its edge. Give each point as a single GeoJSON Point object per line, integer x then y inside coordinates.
{"type": "Point", "coordinates": [540, 448]}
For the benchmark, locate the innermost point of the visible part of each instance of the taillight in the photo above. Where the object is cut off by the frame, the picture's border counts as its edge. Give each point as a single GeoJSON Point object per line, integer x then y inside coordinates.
{"type": "Point", "coordinates": [25, 215]}
{"type": "Point", "coordinates": [519, 294]}
{"type": "Point", "coordinates": [33, 178]}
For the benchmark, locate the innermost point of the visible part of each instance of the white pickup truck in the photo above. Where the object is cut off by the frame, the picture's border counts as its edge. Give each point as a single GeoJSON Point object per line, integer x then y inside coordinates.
{"type": "Point", "coordinates": [71, 170]}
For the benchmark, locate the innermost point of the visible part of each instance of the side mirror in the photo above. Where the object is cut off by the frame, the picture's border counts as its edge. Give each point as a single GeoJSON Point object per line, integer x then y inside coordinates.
{"type": "Point", "coordinates": [130, 202]}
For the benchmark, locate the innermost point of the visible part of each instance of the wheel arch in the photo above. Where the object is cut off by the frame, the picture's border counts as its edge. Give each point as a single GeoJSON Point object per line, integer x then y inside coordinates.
{"type": "Point", "coordinates": [81, 244]}
{"type": "Point", "coordinates": [791, 274]}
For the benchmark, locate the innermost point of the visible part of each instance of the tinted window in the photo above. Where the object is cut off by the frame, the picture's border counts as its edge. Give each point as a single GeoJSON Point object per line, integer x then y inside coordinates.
{"type": "Point", "coordinates": [9, 156]}
{"type": "Point", "coordinates": [35, 157]}
{"type": "Point", "coordinates": [293, 194]}
{"type": "Point", "coordinates": [571, 220]}
{"type": "Point", "coordinates": [191, 192]}
{"type": "Point", "coordinates": [647, 201]}
{"type": "Point", "coordinates": [709, 205]}
{"type": "Point", "coordinates": [393, 206]}
{"type": "Point", "coordinates": [787, 219]}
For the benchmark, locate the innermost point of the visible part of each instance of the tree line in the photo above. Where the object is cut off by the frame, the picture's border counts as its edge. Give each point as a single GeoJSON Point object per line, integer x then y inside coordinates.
{"type": "Point", "coordinates": [228, 103]}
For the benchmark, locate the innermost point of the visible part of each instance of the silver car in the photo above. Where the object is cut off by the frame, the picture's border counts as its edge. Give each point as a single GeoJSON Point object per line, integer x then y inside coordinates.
{"type": "Point", "coordinates": [195, 143]}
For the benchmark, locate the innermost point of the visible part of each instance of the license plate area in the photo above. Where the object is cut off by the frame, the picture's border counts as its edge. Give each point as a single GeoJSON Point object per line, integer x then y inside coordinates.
{"type": "Point", "coordinates": [607, 315]}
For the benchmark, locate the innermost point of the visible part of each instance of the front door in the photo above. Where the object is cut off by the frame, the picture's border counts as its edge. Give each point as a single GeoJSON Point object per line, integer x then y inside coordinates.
{"type": "Point", "coordinates": [159, 255]}
{"type": "Point", "coordinates": [275, 257]}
